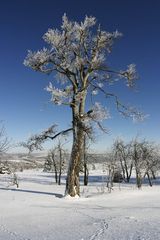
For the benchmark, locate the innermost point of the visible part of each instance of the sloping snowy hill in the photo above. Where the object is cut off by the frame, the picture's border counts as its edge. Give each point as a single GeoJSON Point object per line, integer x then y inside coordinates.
{"type": "Point", "coordinates": [38, 210]}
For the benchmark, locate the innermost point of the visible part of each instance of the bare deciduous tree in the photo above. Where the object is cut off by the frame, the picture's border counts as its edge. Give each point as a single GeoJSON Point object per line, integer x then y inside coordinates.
{"type": "Point", "coordinates": [4, 146]}
{"type": "Point", "coordinates": [149, 158]}
{"type": "Point", "coordinates": [56, 161]}
{"type": "Point", "coordinates": [109, 167]}
{"type": "Point", "coordinates": [122, 153]}
{"type": "Point", "coordinates": [145, 160]}
{"type": "Point", "coordinates": [4, 141]}
{"type": "Point", "coordinates": [78, 53]}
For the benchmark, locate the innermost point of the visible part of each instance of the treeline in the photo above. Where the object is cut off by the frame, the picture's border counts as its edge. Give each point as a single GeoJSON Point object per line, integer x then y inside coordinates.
{"type": "Point", "coordinates": [136, 158]}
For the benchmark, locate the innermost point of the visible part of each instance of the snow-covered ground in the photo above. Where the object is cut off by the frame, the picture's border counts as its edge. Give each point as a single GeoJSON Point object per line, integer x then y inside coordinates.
{"type": "Point", "coordinates": [38, 210]}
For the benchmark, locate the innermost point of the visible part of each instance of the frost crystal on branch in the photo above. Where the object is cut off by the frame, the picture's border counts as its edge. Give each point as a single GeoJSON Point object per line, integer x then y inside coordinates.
{"type": "Point", "coordinates": [59, 96]}
{"type": "Point", "coordinates": [53, 37]}
{"type": "Point", "coordinates": [88, 22]}
{"type": "Point", "coordinates": [36, 59]}
{"type": "Point", "coordinates": [105, 39]}
{"type": "Point", "coordinates": [97, 61]}
{"type": "Point", "coordinates": [66, 24]}
{"type": "Point", "coordinates": [95, 92]}
{"type": "Point", "coordinates": [99, 113]}
{"type": "Point", "coordinates": [100, 85]}
{"type": "Point", "coordinates": [130, 74]}
{"type": "Point", "coordinates": [137, 115]}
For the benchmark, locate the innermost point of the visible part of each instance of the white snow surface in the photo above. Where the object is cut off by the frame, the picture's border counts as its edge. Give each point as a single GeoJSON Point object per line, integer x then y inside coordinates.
{"type": "Point", "coordinates": [38, 210]}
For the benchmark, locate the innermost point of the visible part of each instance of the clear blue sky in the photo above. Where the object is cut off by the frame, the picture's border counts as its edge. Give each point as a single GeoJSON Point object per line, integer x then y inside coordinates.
{"type": "Point", "coordinates": [25, 106]}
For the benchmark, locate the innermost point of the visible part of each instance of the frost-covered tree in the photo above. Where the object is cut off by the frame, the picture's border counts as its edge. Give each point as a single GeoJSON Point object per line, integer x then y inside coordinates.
{"type": "Point", "coordinates": [4, 146]}
{"type": "Point", "coordinates": [149, 159]}
{"type": "Point", "coordinates": [78, 53]}
{"type": "Point", "coordinates": [56, 161]}
{"type": "Point", "coordinates": [123, 154]}
{"type": "Point", "coordinates": [4, 140]}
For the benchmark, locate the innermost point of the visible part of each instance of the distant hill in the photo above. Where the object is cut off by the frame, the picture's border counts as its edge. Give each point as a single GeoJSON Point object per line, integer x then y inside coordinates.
{"type": "Point", "coordinates": [36, 160]}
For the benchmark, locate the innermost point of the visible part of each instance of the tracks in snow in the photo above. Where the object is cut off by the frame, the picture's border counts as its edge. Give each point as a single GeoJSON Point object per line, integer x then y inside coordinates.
{"type": "Point", "coordinates": [11, 234]}
{"type": "Point", "coordinates": [100, 232]}
{"type": "Point", "coordinates": [98, 221]}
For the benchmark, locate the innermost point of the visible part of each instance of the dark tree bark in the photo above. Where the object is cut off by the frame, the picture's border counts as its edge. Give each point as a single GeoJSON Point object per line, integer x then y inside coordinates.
{"type": "Point", "coordinates": [86, 174]}
{"type": "Point", "coordinates": [60, 165]}
{"type": "Point", "coordinates": [149, 179]}
{"type": "Point", "coordinates": [138, 180]}
{"type": "Point", "coordinates": [72, 183]}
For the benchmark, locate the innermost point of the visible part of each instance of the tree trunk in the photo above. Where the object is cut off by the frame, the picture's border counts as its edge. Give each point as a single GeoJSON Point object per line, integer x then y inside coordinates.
{"type": "Point", "coordinates": [130, 171]}
{"type": "Point", "coordinates": [153, 174]}
{"type": "Point", "coordinates": [126, 169]}
{"type": "Point", "coordinates": [149, 179]}
{"type": "Point", "coordinates": [60, 166]}
{"type": "Point", "coordinates": [86, 173]}
{"type": "Point", "coordinates": [55, 170]}
{"type": "Point", "coordinates": [110, 178]}
{"type": "Point", "coordinates": [123, 170]}
{"type": "Point", "coordinates": [138, 180]}
{"type": "Point", "coordinates": [85, 165]}
{"type": "Point", "coordinates": [56, 176]}
{"type": "Point", "coordinates": [72, 183]}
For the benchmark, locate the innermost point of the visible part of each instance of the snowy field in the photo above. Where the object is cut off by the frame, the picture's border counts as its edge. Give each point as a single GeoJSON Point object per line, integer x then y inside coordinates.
{"type": "Point", "coordinates": [38, 210]}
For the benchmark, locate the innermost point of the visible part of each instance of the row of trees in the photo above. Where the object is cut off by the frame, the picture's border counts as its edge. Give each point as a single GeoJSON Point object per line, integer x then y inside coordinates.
{"type": "Point", "coordinates": [56, 161]}
{"type": "Point", "coordinates": [58, 158]}
{"type": "Point", "coordinates": [139, 157]}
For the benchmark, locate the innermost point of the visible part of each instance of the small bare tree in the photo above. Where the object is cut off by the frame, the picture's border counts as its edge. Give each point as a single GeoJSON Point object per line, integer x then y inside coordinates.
{"type": "Point", "coordinates": [50, 164]}
{"type": "Point", "coordinates": [110, 166]}
{"type": "Point", "coordinates": [150, 160]}
{"type": "Point", "coordinates": [4, 141]}
{"type": "Point", "coordinates": [56, 161]}
{"type": "Point", "coordinates": [110, 177]}
{"type": "Point", "coordinates": [14, 179]}
{"type": "Point", "coordinates": [155, 162]}
{"type": "Point", "coordinates": [122, 153]}
{"type": "Point", "coordinates": [84, 168]}
{"type": "Point", "coordinates": [4, 146]}
{"type": "Point", "coordinates": [143, 155]}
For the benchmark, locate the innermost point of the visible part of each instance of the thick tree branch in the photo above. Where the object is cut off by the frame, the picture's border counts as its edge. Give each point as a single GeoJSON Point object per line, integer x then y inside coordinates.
{"type": "Point", "coordinates": [35, 142]}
